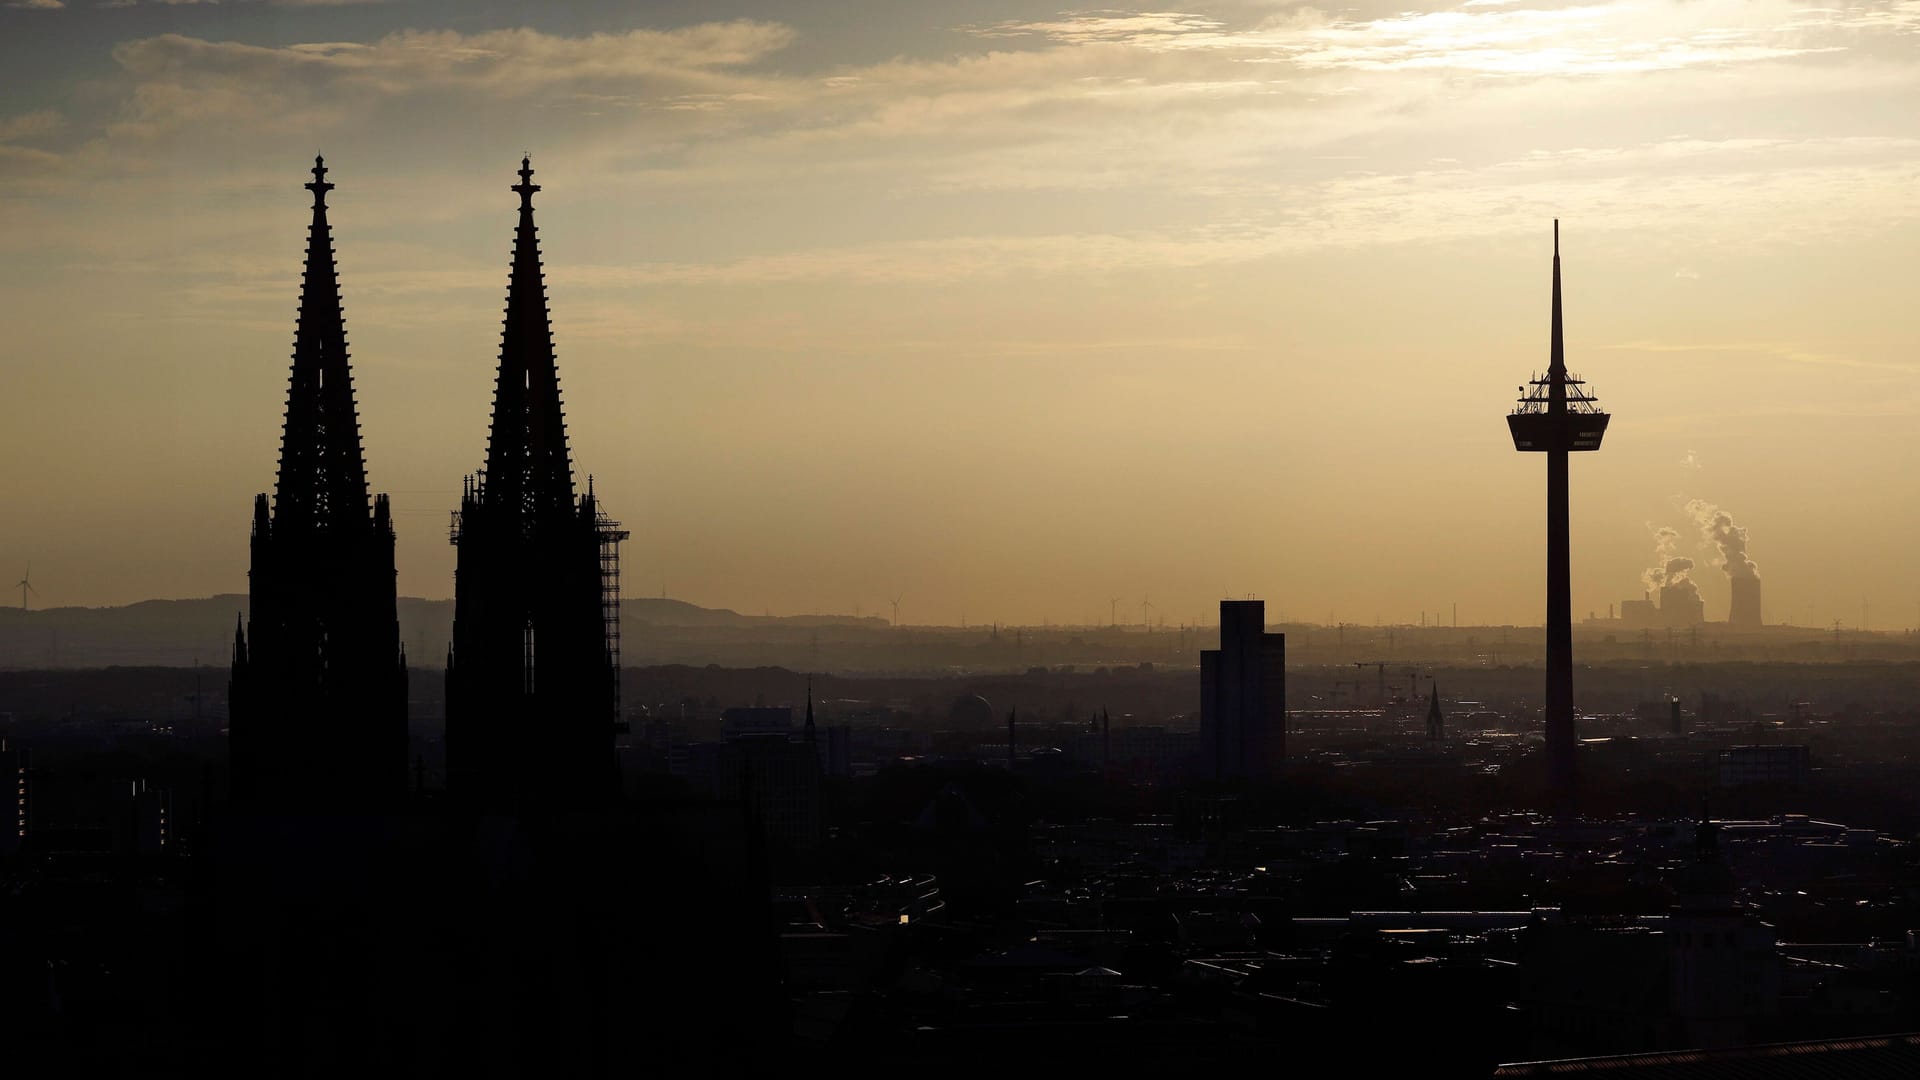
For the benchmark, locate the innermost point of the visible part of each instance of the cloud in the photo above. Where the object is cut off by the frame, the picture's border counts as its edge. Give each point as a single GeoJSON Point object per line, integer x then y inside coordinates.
{"type": "Point", "coordinates": [37, 5]}
{"type": "Point", "coordinates": [1179, 144]}
{"type": "Point", "coordinates": [30, 125]}
{"type": "Point", "coordinates": [270, 3]}
{"type": "Point", "coordinates": [184, 80]}
{"type": "Point", "coordinates": [1497, 37]}
{"type": "Point", "coordinates": [20, 161]}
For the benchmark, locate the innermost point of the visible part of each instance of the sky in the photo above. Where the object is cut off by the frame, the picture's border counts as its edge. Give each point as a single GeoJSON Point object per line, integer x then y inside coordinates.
{"type": "Point", "coordinates": [1002, 309]}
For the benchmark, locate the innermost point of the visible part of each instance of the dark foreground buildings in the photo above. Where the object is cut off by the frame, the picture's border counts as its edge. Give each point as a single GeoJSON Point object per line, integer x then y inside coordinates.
{"type": "Point", "coordinates": [1243, 695]}
{"type": "Point", "coordinates": [319, 687]}
{"type": "Point", "coordinates": [532, 679]}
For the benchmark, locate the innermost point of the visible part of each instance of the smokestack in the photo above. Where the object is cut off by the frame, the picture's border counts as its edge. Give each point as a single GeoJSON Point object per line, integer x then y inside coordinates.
{"type": "Point", "coordinates": [1673, 724]}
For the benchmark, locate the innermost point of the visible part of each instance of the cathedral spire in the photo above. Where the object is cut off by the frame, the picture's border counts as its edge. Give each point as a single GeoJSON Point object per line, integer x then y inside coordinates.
{"type": "Point", "coordinates": [323, 475]}
{"type": "Point", "coordinates": [528, 467]}
{"type": "Point", "coordinates": [809, 710]}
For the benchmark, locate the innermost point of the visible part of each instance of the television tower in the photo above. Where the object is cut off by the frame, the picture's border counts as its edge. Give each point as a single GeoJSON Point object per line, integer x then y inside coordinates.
{"type": "Point", "coordinates": [1556, 416]}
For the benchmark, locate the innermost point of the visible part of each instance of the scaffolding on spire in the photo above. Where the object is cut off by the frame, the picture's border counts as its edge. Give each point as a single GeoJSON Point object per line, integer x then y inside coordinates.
{"type": "Point", "coordinates": [533, 683]}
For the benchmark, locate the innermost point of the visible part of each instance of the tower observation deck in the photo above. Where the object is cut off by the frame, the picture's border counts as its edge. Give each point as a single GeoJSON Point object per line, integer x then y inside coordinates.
{"type": "Point", "coordinates": [1556, 415]}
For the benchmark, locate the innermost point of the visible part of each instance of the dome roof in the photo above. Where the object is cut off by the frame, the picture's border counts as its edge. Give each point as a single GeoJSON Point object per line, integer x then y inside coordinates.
{"type": "Point", "coordinates": [971, 711]}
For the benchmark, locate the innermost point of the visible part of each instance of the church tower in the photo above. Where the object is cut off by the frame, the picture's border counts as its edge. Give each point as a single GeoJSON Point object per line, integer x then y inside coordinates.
{"type": "Point", "coordinates": [532, 675]}
{"type": "Point", "coordinates": [318, 695]}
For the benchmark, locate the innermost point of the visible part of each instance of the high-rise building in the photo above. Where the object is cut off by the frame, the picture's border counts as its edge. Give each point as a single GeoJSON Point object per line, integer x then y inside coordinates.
{"type": "Point", "coordinates": [318, 697]}
{"type": "Point", "coordinates": [533, 670]}
{"type": "Point", "coordinates": [1243, 695]}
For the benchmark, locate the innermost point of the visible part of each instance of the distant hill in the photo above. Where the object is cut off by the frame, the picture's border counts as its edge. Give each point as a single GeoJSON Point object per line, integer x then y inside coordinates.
{"type": "Point", "coordinates": [176, 633]}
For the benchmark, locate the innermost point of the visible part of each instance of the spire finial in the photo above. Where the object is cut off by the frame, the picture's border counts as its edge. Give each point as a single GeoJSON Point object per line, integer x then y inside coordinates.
{"type": "Point", "coordinates": [526, 187]}
{"type": "Point", "coordinates": [1556, 238]}
{"type": "Point", "coordinates": [319, 186]}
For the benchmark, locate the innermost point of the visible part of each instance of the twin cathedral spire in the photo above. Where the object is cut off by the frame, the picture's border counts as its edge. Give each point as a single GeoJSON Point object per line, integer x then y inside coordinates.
{"type": "Point", "coordinates": [319, 685]}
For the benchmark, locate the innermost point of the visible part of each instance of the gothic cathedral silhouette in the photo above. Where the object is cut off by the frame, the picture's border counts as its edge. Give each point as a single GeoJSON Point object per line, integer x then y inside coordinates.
{"type": "Point", "coordinates": [318, 697]}
{"type": "Point", "coordinates": [532, 673]}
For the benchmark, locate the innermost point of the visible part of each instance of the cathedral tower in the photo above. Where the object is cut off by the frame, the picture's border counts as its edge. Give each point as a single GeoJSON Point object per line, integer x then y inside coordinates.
{"type": "Point", "coordinates": [318, 697]}
{"type": "Point", "coordinates": [532, 675]}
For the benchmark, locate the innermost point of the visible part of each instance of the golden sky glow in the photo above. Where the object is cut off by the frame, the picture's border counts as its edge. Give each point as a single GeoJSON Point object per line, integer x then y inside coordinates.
{"type": "Point", "coordinates": [1008, 309]}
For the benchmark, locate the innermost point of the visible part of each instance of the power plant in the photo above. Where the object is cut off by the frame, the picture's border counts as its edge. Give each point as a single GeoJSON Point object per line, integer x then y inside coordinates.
{"type": "Point", "coordinates": [1680, 605]}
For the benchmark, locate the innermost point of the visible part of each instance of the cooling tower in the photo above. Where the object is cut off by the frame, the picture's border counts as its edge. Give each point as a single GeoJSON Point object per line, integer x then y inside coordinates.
{"type": "Point", "coordinates": [1746, 602]}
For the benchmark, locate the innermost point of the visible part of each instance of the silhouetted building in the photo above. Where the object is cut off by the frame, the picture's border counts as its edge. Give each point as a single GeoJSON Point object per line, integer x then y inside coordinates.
{"type": "Point", "coordinates": [1243, 695]}
{"type": "Point", "coordinates": [1436, 723]}
{"type": "Point", "coordinates": [756, 720]}
{"type": "Point", "coordinates": [1745, 608]}
{"type": "Point", "coordinates": [780, 777]}
{"type": "Point", "coordinates": [1705, 974]}
{"type": "Point", "coordinates": [1740, 765]}
{"type": "Point", "coordinates": [532, 673]}
{"type": "Point", "coordinates": [1681, 606]}
{"type": "Point", "coordinates": [1641, 614]}
{"type": "Point", "coordinates": [16, 766]}
{"type": "Point", "coordinates": [318, 697]}
{"type": "Point", "coordinates": [1558, 416]}
{"type": "Point", "coordinates": [1724, 971]}
{"type": "Point", "coordinates": [839, 751]}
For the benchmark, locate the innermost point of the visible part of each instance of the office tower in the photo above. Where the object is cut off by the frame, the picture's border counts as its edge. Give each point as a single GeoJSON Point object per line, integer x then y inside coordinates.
{"type": "Point", "coordinates": [1243, 695]}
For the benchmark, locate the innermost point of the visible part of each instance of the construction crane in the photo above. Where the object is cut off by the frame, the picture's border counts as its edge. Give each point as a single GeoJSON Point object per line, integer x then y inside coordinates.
{"type": "Point", "coordinates": [1381, 668]}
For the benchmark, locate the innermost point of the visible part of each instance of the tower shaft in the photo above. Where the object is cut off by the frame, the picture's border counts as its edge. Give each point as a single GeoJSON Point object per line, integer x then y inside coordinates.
{"type": "Point", "coordinates": [1559, 713]}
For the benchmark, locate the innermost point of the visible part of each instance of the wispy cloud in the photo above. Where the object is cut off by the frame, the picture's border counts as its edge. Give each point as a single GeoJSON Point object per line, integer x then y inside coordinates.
{"type": "Point", "coordinates": [1497, 37]}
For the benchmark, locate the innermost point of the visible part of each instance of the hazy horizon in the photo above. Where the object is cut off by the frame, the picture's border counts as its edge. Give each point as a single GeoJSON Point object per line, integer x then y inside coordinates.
{"type": "Point", "coordinates": [1001, 310]}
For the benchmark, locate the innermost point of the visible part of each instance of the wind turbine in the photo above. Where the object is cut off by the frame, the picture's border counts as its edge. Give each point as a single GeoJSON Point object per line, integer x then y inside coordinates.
{"type": "Point", "coordinates": [1113, 611]}
{"type": "Point", "coordinates": [1144, 624]}
{"type": "Point", "coordinates": [26, 586]}
{"type": "Point", "coordinates": [896, 607]}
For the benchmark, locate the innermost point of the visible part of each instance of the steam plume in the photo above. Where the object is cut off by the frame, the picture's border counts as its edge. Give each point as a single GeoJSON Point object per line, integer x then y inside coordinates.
{"type": "Point", "coordinates": [1717, 528]}
{"type": "Point", "coordinates": [1666, 542]}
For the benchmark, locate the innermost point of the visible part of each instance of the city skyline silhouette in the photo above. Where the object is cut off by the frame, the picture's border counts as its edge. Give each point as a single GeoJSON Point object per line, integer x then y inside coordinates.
{"type": "Point", "coordinates": [1021, 567]}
